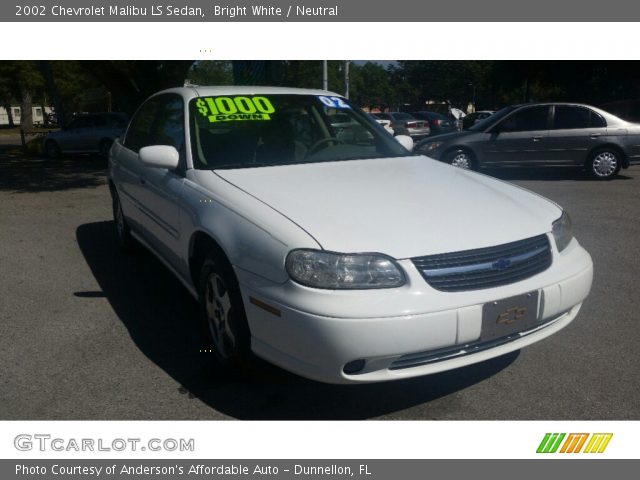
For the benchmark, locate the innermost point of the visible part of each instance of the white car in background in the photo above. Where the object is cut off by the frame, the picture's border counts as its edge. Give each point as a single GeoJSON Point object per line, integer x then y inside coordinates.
{"type": "Point", "coordinates": [343, 260]}
{"type": "Point", "coordinates": [385, 123]}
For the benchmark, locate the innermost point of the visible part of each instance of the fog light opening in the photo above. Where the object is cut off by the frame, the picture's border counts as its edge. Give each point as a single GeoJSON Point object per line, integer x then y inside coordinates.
{"type": "Point", "coordinates": [354, 367]}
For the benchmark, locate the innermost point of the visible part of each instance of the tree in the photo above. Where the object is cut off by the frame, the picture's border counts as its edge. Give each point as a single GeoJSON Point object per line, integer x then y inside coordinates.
{"type": "Point", "coordinates": [21, 80]}
{"type": "Point", "coordinates": [130, 82]}
{"type": "Point", "coordinates": [211, 72]}
{"type": "Point", "coordinates": [371, 86]}
{"type": "Point", "coordinates": [7, 97]}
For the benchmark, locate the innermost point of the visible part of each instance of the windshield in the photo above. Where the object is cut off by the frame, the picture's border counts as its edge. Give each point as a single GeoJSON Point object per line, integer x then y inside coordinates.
{"type": "Point", "coordinates": [492, 119]}
{"type": "Point", "coordinates": [265, 130]}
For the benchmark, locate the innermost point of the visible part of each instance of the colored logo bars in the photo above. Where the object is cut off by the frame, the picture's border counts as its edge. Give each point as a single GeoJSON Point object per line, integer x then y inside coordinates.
{"type": "Point", "coordinates": [595, 442]}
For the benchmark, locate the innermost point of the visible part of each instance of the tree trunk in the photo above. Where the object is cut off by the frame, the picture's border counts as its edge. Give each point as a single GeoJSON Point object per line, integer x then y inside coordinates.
{"type": "Point", "coordinates": [47, 73]}
{"type": "Point", "coordinates": [26, 112]}
{"type": "Point", "coordinates": [7, 107]}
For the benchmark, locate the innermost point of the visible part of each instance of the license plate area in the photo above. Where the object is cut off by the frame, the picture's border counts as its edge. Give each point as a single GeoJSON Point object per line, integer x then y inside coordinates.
{"type": "Point", "coordinates": [508, 316]}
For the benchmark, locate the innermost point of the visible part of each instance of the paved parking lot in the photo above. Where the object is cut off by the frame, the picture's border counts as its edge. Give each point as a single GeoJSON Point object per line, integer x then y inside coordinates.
{"type": "Point", "coordinates": [87, 333]}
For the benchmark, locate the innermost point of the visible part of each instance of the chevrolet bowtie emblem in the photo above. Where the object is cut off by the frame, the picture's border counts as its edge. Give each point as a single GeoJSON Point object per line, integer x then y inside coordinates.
{"type": "Point", "coordinates": [501, 264]}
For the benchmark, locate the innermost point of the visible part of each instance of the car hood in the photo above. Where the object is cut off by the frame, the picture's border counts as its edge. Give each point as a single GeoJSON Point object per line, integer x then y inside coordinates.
{"type": "Point", "coordinates": [403, 207]}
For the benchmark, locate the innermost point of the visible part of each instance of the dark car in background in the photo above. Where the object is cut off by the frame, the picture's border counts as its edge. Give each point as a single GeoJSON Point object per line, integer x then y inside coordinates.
{"type": "Point", "coordinates": [438, 122]}
{"type": "Point", "coordinates": [475, 117]}
{"type": "Point", "coordinates": [542, 135]}
{"type": "Point", "coordinates": [406, 124]}
{"type": "Point", "coordinates": [86, 133]}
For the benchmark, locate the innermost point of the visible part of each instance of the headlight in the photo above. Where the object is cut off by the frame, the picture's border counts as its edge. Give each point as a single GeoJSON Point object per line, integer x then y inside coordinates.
{"type": "Point", "coordinates": [430, 146]}
{"type": "Point", "coordinates": [337, 271]}
{"type": "Point", "coordinates": [562, 231]}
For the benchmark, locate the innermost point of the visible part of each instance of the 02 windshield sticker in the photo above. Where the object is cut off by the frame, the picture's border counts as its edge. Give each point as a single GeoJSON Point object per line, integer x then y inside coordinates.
{"type": "Point", "coordinates": [334, 102]}
{"type": "Point", "coordinates": [229, 109]}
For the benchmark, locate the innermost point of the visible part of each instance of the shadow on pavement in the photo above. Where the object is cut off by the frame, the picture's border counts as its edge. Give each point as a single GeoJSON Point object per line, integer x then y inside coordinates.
{"type": "Point", "coordinates": [162, 319]}
{"type": "Point", "coordinates": [36, 174]}
{"type": "Point", "coordinates": [549, 174]}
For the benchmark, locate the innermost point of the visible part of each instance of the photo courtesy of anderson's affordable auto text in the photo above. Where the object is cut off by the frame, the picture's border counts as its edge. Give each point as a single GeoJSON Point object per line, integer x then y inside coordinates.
{"type": "Point", "coordinates": [218, 212]}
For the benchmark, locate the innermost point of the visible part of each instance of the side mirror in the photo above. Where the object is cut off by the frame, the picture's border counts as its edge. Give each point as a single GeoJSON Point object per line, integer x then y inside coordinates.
{"type": "Point", "coordinates": [159, 156]}
{"type": "Point", "coordinates": [406, 141]}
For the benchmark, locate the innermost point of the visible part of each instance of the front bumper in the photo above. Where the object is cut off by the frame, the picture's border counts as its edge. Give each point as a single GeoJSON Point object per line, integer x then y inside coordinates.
{"type": "Point", "coordinates": [404, 332]}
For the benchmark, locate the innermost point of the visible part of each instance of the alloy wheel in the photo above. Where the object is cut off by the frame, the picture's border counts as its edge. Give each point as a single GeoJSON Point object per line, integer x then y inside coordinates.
{"type": "Point", "coordinates": [218, 315]}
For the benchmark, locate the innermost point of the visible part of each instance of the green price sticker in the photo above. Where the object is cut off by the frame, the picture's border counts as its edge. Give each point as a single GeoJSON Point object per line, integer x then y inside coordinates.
{"type": "Point", "coordinates": [228, 109]}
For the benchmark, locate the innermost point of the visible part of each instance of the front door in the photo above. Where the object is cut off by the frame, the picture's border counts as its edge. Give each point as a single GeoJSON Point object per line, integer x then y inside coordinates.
{"type": "Point", "coordinates": [519, 139]}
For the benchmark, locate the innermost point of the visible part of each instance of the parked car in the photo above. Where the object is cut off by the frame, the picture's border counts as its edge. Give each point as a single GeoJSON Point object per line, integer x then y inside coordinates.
{"type": "Point", "coordinates": [331, 258]}
{"type": "Point", "coordinates": [475, 117]}
{"type": "Point", "coordinates": [438, 122]}
{"type": "Point", "coordinates": [386, 124]}
{"type": "Point", "coordinates": [543, 135]}
{"type": "Point", "coordinates": [345, 129]}
{"type": "Point", "coordinates": [86, 133]}
{"type": "Point", "coordinates": [406, 124]}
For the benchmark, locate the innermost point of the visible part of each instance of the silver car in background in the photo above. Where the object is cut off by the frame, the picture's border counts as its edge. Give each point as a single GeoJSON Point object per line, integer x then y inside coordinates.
{"type": "Point", "coordinates": [406, 124]}
{"type": "Point", "coordinates": [86, 133]}
{"type": "Point", "coordinates": [542, 135]}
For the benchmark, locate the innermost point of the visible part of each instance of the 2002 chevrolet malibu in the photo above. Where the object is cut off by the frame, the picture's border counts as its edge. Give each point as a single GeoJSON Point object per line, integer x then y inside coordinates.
{"type": "Point", "coordinates": [317, 241]}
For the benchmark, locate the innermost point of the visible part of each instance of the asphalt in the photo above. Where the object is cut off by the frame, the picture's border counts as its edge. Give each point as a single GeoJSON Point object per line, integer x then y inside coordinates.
{"type": "Point", "coordinates": [89, 333]}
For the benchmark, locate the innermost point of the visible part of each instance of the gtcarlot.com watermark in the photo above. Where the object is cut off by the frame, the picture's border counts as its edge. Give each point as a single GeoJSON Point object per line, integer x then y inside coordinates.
{"type": "Point", "coordinates": [46, 443]}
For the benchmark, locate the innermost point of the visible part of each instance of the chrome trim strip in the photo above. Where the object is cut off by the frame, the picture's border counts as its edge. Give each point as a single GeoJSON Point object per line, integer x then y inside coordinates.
{"type": "Point", "coordinates": [488, 266]}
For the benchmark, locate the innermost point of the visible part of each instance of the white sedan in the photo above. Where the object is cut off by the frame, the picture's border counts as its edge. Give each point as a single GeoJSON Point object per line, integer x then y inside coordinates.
{"type": "Point", "coordinates": [342, 258]}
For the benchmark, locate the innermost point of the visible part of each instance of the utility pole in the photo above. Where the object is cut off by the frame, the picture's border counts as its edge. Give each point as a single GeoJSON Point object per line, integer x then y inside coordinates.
{"type": "Point", "coordinates": [325, 76]}
{"type": "Point", "coordinates": [346, 79]}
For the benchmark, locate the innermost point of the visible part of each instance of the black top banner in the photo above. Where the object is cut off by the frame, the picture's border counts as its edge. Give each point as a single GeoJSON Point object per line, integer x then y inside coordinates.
{"type": "Point", "coordinates": [319, 11]}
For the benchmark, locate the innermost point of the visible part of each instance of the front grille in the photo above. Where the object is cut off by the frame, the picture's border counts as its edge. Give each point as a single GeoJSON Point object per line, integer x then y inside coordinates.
{"type": "Point", "coordinates": [486, 267]}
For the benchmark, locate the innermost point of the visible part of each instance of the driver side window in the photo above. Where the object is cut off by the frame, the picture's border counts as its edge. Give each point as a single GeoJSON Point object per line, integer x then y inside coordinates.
{"type": "Point", "coordinates": [139, 132]}
{"type": "Point", "coordinates": [528, 119]}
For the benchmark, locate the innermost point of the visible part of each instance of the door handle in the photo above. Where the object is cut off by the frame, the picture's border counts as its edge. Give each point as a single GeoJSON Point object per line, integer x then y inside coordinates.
{"type": "Point", "coordinates": [142, 180]}
{"type": "Point", "coordinates": [536, 139]}
{"type": "Point", "coordinates": [594, 136]}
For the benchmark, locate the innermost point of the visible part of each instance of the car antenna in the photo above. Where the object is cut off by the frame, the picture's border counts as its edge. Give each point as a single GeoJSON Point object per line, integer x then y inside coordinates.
{"type": "Point", "coordinates": [188, 84]}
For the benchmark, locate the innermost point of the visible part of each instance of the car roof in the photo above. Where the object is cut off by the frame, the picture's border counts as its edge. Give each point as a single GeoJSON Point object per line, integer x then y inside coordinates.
{"type": "Point", "coordinates": [195, 91]}
{"type": "Point", "coordinates": [611, 119]}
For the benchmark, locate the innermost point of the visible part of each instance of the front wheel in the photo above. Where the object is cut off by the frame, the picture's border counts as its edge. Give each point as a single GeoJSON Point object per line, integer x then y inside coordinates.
{"type": "Point", "coordinates": [604, 164]}
{"type": "Point", "coordinates": [462, 159]}
{"type": "Point", "coordinates": [225, 322]}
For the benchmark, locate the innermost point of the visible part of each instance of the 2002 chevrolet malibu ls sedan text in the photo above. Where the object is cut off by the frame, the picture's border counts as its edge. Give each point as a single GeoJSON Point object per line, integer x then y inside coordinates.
{"type": "Point", "coordinates": [336, 253]}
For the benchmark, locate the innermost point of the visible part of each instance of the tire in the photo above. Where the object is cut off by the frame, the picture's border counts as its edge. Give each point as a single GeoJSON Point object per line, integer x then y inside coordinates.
{"type": "Point", "coordinates": [105, 146]}
{"type": "Point", "coordinates": [462, 159]}
{"type": "Point", "coordinates": [51, 149]}
{"type": "Point", "coordinates": [604, 163]}
{"type": "Point", "coordinates": [224, 320]}
{"type": "Point", "coordinates": [121, 229]}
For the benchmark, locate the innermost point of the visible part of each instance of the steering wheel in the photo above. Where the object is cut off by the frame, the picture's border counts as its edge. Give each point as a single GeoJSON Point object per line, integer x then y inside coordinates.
{"type": "Point", "coordinates": [321, 144]}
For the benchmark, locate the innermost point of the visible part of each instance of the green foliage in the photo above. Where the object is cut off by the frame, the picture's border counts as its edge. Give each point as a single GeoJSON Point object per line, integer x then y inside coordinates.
{"type": "Point", "coordinates": [211, 72]}
{"type": "Point", "coordinates": [74, 86]}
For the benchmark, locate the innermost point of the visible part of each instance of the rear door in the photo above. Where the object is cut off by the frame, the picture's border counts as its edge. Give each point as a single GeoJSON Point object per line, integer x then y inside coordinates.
{"type": "Point", "coordinates": [520, 138]}
{"type": "Point", "coordinates": [575, 131]}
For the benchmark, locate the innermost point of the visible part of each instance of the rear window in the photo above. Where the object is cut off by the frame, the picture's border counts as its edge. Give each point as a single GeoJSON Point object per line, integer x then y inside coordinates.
{"type": "Point", "coordinates": [573, 117]}
{"type": "Point", "coordinates": [403, 116]}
